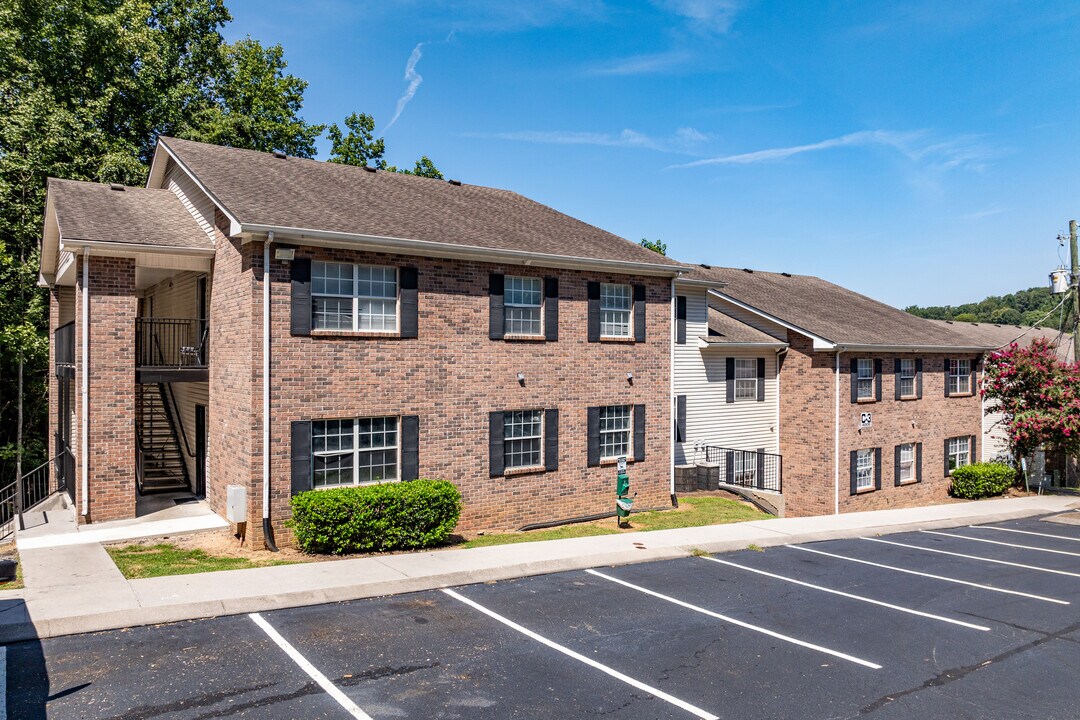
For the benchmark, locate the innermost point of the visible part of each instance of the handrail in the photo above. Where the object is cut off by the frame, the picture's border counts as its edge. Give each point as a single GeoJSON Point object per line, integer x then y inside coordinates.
{"type": "Point", "coordinates": [33, 493]}
{"type": "Point", "coordinates": [162, 387]}
{"type": "Point", "coordinates": [761, 470]}
{"type": "Point", "coordinates": [185, 342]}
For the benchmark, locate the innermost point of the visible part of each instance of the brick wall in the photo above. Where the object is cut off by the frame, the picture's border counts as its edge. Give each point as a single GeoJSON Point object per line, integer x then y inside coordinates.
{"type": "Point", "coordinates": [808, 421]}
{"type": "Point", "coordinates": [451, 376]}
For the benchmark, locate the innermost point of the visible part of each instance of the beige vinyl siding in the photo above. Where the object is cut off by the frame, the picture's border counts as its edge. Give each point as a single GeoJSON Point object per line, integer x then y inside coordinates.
{"type": "Point", "coordinates": [995, 439]}
{"type": "Point", "coordinates": [701, 375]}
{"type": "Point", "coordinates": [67, 304]}
{"type": "Point", "coordinates": [195, 200]}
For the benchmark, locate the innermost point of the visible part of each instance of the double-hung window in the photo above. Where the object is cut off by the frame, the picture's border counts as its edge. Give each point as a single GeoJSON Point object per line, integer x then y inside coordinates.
{"type": "Point", "coordinates": [522, 438]}
{"type": "Point", "coordinates": [906, 468]}
{"type": "Point", "coordinates": [746, 379]}
{"type": "Point", "coordinates": [354, 297]}
{"type": "Point", "coordinates": [745, 467]}
{"type": "Point", "coordinates": [907, 377]}
{"type": "Point", "coordinates": [960, 377]}
{"type": "Point", "coordinates": [354, 451]}
{"type": "Point", "coordinates": [865, 379]}
{"type": "Point", "coordinates": [959, 453]}
{"type": "Point", "coordinates": [614, 431]}
{"type": "Point", "coordinates": [615, 304]}
{"type": "Point", "coordinates": [864, 470]}
{"type": "Point", "coordinates": [524, 296]}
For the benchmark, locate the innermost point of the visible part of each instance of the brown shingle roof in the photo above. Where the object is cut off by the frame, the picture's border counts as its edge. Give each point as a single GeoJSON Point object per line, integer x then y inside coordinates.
{"type": "Point", "coordinates": [724, 329]}
{"type": "Point", "coordinates": [996, 335]}
{"type": "Point", "coordinates": [264, 190]}
{"type": "Point", "coordinates": [97, 213]}
{"type": "Point", "coordinates": [829, 311]}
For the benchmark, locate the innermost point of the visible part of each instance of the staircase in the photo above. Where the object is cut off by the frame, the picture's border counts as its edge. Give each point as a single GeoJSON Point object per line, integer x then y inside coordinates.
{"type": "Point", "coordinates": [160, 459]}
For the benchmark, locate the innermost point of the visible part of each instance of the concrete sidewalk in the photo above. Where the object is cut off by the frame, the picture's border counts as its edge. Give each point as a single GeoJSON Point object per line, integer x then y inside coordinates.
{"type": "Point", "coordinates": [76, 588]}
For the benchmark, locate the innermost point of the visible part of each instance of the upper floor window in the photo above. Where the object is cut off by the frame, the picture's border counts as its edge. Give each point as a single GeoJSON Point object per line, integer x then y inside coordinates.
{"type": "Point", "coordinates": [522, 436]}
{"type": "Point", "coordinates": [746, 379]}
{"type": "Point", "coordinates": [524, 297]}
{"type": "Point", "coordinates": [864, 470]}
{"type": "Point", "coordinates": [354, 451]}
{"type": "Point", "coordinates": [960, 377]}
{"type": "Point", "coordinates": [354, 297]}
{"type": "Point", "coordinates": [959, 452]}
{"type": "Point", "coordinates": [865, 379]}
{"type": "Point", "coordinates": [907, 377]}
{"type": "Point", "coordinates": [614, 431]}
{"type": "Point", "coordinates": [615, 304]}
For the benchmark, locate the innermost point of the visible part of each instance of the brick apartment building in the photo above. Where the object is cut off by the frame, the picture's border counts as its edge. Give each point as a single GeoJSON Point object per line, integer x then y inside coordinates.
{"type": "Point", "coordinates": [414, 328]}
{"type": "Point", "coordinates": [873, 406]}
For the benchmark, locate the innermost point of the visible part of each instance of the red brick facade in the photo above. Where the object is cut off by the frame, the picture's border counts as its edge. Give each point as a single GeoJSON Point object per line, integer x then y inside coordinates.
{"type": "Point", "coordinates": [808, 412]}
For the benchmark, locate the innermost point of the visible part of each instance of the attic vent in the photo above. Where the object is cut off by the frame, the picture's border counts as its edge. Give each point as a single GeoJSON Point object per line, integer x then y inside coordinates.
{"type": "Point", "coordinates": [748, 270]}
{"type": "Point", "coordinates": [116, 186]}
{"type": "Point", "coordinates": [786, 274]}
{"type": "Point", "coordinates": [369, 168]}
{"type": "Point", "coordinates": [280, 155]}
{"type": "Point", "coordinates": [707, 267]}
{"type": "Point", "coordinates": [454, 182]}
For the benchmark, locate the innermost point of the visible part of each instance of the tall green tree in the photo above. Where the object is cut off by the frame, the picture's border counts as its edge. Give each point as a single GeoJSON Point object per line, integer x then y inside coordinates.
{"type": "Point", "coordinates": [357, 145]}
{"type": "Point", "coordinates": [657, 246]}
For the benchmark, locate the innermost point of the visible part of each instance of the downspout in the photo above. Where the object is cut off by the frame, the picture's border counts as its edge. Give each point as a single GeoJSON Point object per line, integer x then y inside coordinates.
{"type": "Point", "coordinates": [85, 420]}
{"type": "Point", "coordinates": [836, 442]}
{"type": "Point", "coordinates": [780, 352]}
{"type": "Point", "coordinates": [268, 530]}
{"type": "Point", "coordinates": [671, 397]}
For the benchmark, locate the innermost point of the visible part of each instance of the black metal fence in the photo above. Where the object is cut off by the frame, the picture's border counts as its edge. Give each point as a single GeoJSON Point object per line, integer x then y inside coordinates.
{"type": "Point", "coordinates": [64, 349]}
{"type": "Point", "coordinates": [170, 343]}
{"type": "Point", "coordinates": [36, 486]}
{"type": "Point", "coordinates": [746, 468]}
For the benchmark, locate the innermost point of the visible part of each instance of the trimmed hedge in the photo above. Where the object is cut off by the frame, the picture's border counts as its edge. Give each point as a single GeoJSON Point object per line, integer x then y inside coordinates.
{"type": "Point", "coordinates": [982, 480]}
{"type": "Point", "coordinates": [372, 518]}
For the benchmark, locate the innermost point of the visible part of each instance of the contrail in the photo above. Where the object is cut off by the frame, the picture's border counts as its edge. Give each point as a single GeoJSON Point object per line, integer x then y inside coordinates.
{"type": "Point", "coordinates": [414, 79]}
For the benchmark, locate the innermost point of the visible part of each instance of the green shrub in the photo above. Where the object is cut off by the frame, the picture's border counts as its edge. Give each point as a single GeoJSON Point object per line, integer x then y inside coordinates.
{"type": "Point", "coordinates": [389, 516]}
{"type": "Point", "coordinates": [982, 480]}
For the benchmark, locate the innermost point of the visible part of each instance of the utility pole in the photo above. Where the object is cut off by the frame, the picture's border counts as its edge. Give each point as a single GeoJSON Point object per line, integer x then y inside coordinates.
{"type": "Point", "coordinates": [1074, 288]}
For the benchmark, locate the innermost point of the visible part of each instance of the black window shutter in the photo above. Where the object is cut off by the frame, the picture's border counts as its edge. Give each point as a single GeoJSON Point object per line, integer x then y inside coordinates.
{"type": "Point", "coordinates": [300, 454]}
{"type": "Point", "coordinates": [761, 468]}
{"type": "Point", "coordinates": [496, 461]}
{"type": "Point", "coordinates": [593, 430]}
{"type": "Point", "coordinates": [972, 457]}
{"type": "Point", "coordinates": [918, 378]}
{"type": "Point", "coordinates": [496, 310]}
{"type": "Point", "coordinates": [639, 433]}
{"type": "Point", "coordinates": [680, 319]}
{"type": "Point", "coordinates": [974, 382]}
{"type": "Point", "coordinates": [896, 466]}
{"type": "Point", "coordinates": [551, 439]}
{"type": "Point", "coordinates": [729, 378]}
{"type": "Point", "coordinates": [410, 447]}
{"type": "Point", "coordinates": [948, 367]}
{"type": "Point", "coordinates": [639, 313]}
{"type": "Point", "coordinates": [761, 379]}
{"type": "Point", "coordinates": [854, 380]}
{"type": "Point", "coordinates": [877, 468]}
{"type": "Point", "coordinates": [729, 467]}
{"type": "Point", "coordinates": [854, 472]}
{"type": "Point", "coordinates": [551, 308]}
{"type": "Point", "coordinates": [896, 378]}
{"type": "Point", "coordinates": [680, 418]}
{"type": "Point", "coordinates": [300, 275]}
{"type": "Point", "coordinates": [594, 312]}
{"type": "Point", "coordinates": [877, 379]}
{"type": "Point", "coordinates": [410, 309]}
{"type": "Point", "coordinates": [918, 462]}
{"type": "Point", "coordinates": [946, 458]}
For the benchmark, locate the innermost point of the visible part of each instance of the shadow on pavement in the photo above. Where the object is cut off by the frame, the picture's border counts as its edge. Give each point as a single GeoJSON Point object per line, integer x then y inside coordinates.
{"type": "Point", "coordinates": [26, 680]}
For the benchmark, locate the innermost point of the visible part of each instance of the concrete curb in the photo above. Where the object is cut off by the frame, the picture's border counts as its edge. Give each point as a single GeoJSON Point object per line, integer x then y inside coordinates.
{"type": "Point", "coordinates": [30, 629]}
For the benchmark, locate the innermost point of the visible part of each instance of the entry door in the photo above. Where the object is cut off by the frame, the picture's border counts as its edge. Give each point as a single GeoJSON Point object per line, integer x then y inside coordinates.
{"type": "Point", "coordinates": [200, 449]}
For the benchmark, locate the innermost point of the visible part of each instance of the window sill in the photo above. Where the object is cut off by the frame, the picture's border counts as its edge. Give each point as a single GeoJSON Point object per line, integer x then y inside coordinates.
{"type": "Point", "coordinates": [524, 338]}
{"type": "Point", "coordinates": [865, 491]}
{"type": "Point", "coordinates": [356, 334]}
{"type": "Point", "coordinates": [905, 483]}
{"type": "Point", "coordinates": [909, 398]}
{"type": "Point", "coordinates": [961, 394]}
{"type": "Point", "coordinates": [866, 401]}
{"type": "Point", "coordinates": [611, 462]}
{"type": "Point", "coordinates": [616, 339]}
{"type": "Point", "coordinates": [511, 472]}
{"type": "Point", "coordinates": [353, 485]}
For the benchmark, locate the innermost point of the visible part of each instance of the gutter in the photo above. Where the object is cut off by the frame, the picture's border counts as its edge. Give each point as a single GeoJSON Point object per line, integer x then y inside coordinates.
{"type": "Point", "coordinates": [671, 397]}
{"type": "Point", "coordinates": [268, 530]}
{"type": "Point", "coordinates": [836, 442]}
{"type": "Point", "coordinates": [85, 382]}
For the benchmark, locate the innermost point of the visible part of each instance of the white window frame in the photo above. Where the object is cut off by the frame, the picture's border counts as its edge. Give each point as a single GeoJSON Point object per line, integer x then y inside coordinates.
{"type": "Point", "coordinates": [627, 432]}
{"type": "Point", "coordinates": [507, 305]}
{"type": "Point", "coordinates": [864, 471]}
{"type": "Point", "coordinates": [865, 379]}
{"type": "Point", "coordinates": [356, 451]}
{"type": "Point", "coordinates": [907, 364]}
{"type": "Point", "coordinates": [744, 466]}
{"type": "Point", "coordinates": [746, 379]}
{"type": "Point", "coordinates": [956, 454]}
{"type": "Point", "coordinates": [608, 309]}
{"type": "Point", "coordinates": [508, 423]}
{"type": "Point", "coordinates": [907, 462]}
{"type": "Point", "coordinates": [358, 299]}
{"type": "Point", "coordinates": [956, 378]}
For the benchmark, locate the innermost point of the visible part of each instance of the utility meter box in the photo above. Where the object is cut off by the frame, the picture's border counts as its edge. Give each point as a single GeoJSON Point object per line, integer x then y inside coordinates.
{"type": "Point", "coordinates": [236, 503]}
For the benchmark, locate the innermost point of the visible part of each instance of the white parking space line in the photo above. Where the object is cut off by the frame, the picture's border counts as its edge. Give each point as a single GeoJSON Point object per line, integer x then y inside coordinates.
{"type": "Point", "coordinates": [740, 623]}
{"type": "Point", "coordinates": [998, 542]}
{"type": "Point", "coordinates": [860, 598]}
{"type": "Point", "coordinates": [933, 577]}
{"type": "Point", "coordinates": [696, 711]}
{"type": "Point", "coordinates": [1024, 532]}
{"type": "Point", "coordinates": [331, 689]}
{"type": "Point", "coordinates": [973, 557]}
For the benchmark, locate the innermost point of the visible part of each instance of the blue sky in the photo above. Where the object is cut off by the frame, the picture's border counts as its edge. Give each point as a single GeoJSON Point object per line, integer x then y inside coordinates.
{"type": "Point", "coordinates": [919, 152]}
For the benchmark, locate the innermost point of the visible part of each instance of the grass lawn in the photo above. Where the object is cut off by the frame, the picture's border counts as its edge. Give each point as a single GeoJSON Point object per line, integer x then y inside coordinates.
{"type": "Point", "coordinates": [559, 533]}
{"type": "Point", "coordinates": [17, 583]}
{"type": "Point", "coordinates": [145, 561]}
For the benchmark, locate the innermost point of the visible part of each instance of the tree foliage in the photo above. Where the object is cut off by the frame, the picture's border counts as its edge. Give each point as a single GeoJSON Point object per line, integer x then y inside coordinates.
{"type": "Point", "coordinates": [357, 145]}
{"type": "Point", "coordinates": [1038, 394]}
{"type": "Point", "coordinates": [657, 246]}
{"type": "Point", "coordinates": [1026, 307]}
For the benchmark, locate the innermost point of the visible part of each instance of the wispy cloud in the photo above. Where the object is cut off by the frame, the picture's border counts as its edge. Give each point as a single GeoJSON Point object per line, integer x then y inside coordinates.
{"type": "Point", "coordinates": [712, 16]}
{"type": "Point", "coordinates": [684, 140]}
{"type": "Point", "coordinates": [414, 78]}
{"type": "Point", "coordinates": [641, 64]}
{"type": "Point", "coordinates": [917, 146]}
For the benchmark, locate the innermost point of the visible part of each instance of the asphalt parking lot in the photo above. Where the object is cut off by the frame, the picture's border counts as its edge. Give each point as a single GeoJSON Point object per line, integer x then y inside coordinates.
{"type": "Point", "coordinates": [976, 622]}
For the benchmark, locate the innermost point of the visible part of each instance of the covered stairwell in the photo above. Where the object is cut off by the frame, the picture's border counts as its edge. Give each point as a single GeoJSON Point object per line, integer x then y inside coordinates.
{"type": "Point", "coordinates": [160, 461]}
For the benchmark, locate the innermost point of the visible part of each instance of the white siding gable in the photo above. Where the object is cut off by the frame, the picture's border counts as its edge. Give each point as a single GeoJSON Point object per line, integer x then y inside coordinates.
{"type": "Point", "coordinates": [195, 200]}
